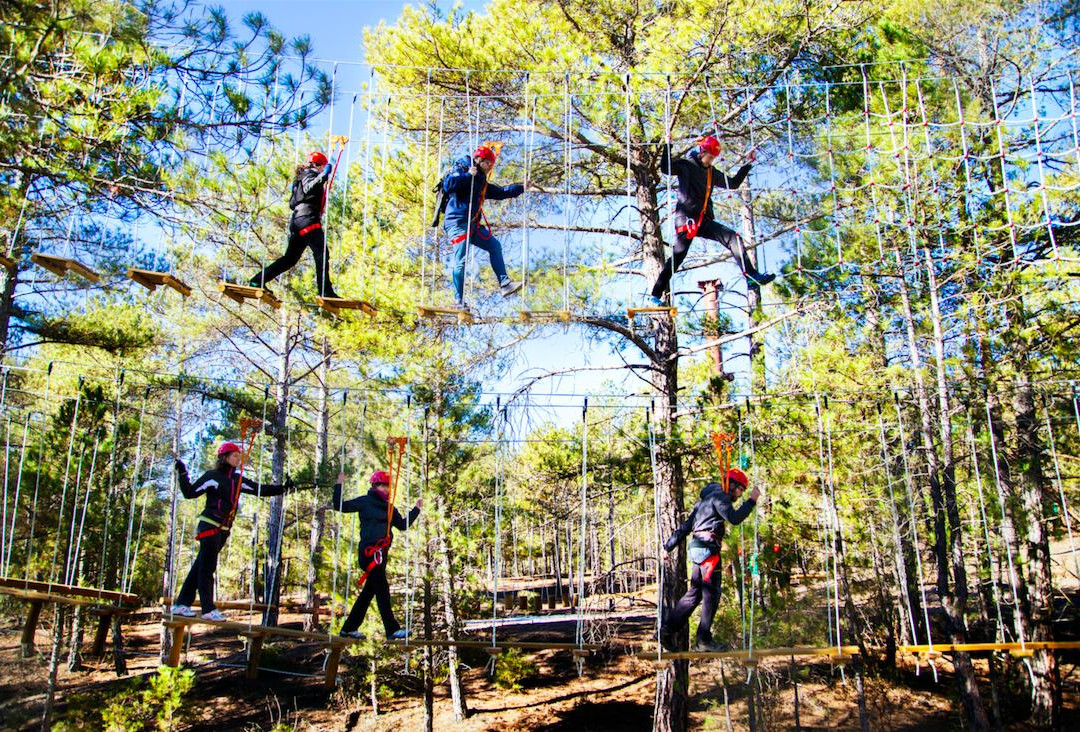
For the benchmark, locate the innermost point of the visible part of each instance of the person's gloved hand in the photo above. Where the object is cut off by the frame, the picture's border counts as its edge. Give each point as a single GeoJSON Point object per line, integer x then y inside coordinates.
{"type": "Point", "coordinates": [289, 485]}
{"type": "Point", "coordinates": [755, 495]}
{"type": "Point", "coordinates": [179, 466]}
{"type": "Point", "coordinates": [329, 168]}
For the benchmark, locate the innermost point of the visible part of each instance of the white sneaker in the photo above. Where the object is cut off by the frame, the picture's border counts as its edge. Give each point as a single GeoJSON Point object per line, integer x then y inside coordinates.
{"type": "Point", "coordinates": [509, 287]}
{"type": "Point", "coordinates": [182, 610]}
{"type": "Point", "coordinates": [214, 615]}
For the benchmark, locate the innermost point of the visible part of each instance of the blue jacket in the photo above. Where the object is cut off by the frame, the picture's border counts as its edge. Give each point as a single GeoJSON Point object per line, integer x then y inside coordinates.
{"type": "Point", "coordinates": [465, 195]}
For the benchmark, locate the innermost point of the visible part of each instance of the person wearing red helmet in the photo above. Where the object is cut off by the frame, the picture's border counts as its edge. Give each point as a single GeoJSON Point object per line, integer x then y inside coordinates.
{"type": "Point", "coordinates": [464, 191]}
{"type": "Point", "coordinates": [375, 540]}
{"type": "Point", "coordinates": [706, 522]}
{"type": "Point", "coordinates": [307, 201]}
{"type": "Point", "coordinates": [222, 487]}
{"type": "Point", "coordinates": [694, 212]}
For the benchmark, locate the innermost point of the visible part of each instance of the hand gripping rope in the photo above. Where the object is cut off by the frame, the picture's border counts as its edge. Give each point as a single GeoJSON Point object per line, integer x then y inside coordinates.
{"type": "Point", "coordinates": [724, 444]}
{"type": "Point", "coordinates": [375, 554]}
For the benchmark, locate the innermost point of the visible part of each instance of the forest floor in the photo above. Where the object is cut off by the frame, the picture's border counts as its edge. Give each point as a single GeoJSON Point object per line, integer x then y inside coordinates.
{"type": "Point", "coordinates": [615, 690]}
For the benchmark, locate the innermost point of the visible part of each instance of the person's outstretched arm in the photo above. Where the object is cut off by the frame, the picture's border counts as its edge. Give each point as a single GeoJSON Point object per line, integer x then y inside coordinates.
{"type": "Point", "coordinates": [265, 490]}
{"type": "Point", "coordinates": [734, 181]}
{"type": "Point", "coordinates": [189, 489]}
{"type": "Point", "coordinates": [681, 532]}
{"type": "Point", "coordinates": [736, 516]}
{"type": "Point", "coordinates": [498, 193]}
{"type": "Point", "coordinates": [338, 504]}
{"type": "Point", "coordinates": [401, 523]}
{"type": "Point", "coordinates": [308, 183]}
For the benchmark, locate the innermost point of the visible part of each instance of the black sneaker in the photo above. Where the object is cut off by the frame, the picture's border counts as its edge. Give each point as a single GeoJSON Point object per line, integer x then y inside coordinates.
{"type": "Point", "coordinates": [702, 645]}
{"type": "Point", "coordinates": [760, 279]}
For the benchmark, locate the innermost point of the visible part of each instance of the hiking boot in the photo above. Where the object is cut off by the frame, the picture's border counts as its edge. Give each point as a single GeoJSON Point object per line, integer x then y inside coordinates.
{"type": "Point", "coordinates": [331, 296]}
{"type": "Point", "coordinates": [508, 287]}
{"type": "Point", "coordinates": [760, 279]}
{"type": "Point", "coordinates": [182, 610]}
{"type": "Point", "coordinates": [701, 645]}
{"type": "Point", "coordinates": [215, 616]}
{"type": "Point", "coordinates": [353, 634]}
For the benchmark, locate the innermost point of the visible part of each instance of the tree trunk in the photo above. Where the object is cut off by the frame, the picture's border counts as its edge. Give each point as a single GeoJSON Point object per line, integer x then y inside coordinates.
{"type": "Point", "coordinates": [275, 521]}
{"type": "Point", "coordinates": [8, 281]}
{"type": "Point", "coordinates": [429, 658]}
{"type": "Point", "coordinates": [169, 574]}
{"type": "Point", "coordinates": [318, 519]}
{"type": "Point", "coordinates": [1031, 484]}
{"type": "Point", "coordinates": [946, 547]}
{"type": "Point", "coordinates": [54, 664]}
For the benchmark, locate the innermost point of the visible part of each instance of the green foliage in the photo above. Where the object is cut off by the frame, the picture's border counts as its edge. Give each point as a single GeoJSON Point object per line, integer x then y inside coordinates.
{"type": "Point", "coordinates": [156, 702]}
{"type": "Point", "coordinates": [513, 667]}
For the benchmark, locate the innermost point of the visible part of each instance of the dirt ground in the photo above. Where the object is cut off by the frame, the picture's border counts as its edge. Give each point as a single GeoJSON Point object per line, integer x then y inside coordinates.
{"type": "Point", "coordinates": [614, 692]}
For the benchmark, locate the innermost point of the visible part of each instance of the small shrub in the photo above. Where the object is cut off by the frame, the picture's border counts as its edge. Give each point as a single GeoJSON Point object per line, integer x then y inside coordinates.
{"type": "Point", "coordinates": [513, 667]}
{"type": "Point", "coordinates": [141, 705]}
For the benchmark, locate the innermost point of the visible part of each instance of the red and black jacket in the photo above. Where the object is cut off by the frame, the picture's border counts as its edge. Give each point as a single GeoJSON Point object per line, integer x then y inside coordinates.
{"type": "Point", "coordinates": [695, 185]}
{"type": "Point", "coordinates": [222, 488]}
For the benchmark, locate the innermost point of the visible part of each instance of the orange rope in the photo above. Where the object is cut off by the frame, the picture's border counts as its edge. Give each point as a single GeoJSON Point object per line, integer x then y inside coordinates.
{"type": "Point", "coordinates": [395, 448]}
{"type": "Point", "coordinates": [724, 443]}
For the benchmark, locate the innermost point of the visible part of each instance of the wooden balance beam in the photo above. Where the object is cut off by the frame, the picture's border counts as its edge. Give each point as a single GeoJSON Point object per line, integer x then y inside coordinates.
{"type": "Point", "coordinates": [8, 263]}
{"type": "Point", "coordinates": [464, 317]}
{"type": "Point", "coordinates": [72, 591]}
{"type": "Point", "coordinates": [257, 635]}
{"type": "Point", "coordinates": [37, 601]}
{"type": "Point", "coordinates": [632, 313]}
{"type": "Point", "coordinates": [334, 305]}
{"type": "Point", "coordinates": [240, 293]}
{"type": "Point", "coordinates": [151, 280]}
{"type": "Point", "coordinates": [60, 266]}
{"type": "Point", "coordinates": [544, 316]}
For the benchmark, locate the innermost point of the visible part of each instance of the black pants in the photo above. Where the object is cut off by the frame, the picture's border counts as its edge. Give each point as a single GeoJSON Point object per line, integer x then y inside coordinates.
{"type": "Point", "coordinates": [375, 586]}
{"type": "Point", "coordinates": [709, 230]}
{"type": "Point", "coordinates": [707, 594]}
{"type": "Point", "coordinates": [313, 240]}
{"type": "Point", "coordinates": [201, 574]}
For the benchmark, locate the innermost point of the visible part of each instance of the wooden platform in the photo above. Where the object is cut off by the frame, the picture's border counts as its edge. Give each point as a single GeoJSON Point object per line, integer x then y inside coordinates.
{"type": "Point", "coordinates": [61, 266]}
{"type": "Point", "coordinates": [151, 280]}
{"type": "Point", "coordinates": [335, 305]}
{"type": "Point", "coordinates": [240, 293]}
{"type": "Point", "coordinates": [108, 605]}
{"type": "Point", "coordinates": [544, 316]}
{"type": "Point", "coordinates": [463, 317]}
{"type": "Point", "coordinates": [632, 313]}
{"type": "Point", "coordinates": [8, 263]}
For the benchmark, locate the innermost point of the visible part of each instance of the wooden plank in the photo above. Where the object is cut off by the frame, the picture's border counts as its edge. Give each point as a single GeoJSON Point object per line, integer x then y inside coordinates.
{"type": "Point", "coordinates": [544, 316]}
{"type": "Point", "coordinates": [151, 280]}
{"type": "Point", "coordinates": [60, 266]}
{"type": "Point", "coordinates": [633, 312]}
{"type": "Point", "coordinates": [8, 263]}
{"type": "Point", "coordinates": [246, 628]}
{"type": "Point", "coordinates": [177, 646]}
{"type": "Point", "coordinates": [254, 651]}
{"type": "Point", "coordinates": [470, 643]}
{"type": "Point", "coordinates": [291, 607]}
{"type": "Point", "coordinates": [463, 316]}
{"type": "Point", "coordinates": [98, 649]}
{"type": "Point", "coordinates": [30, 627]}
{"type": "Point", "coordinates": [54, 588]}
{"type": "Point", "coordinates": [81, 269]}
{"type": "Point", "coordinates": [335, 305]}
{"type": "Point", "coordinates": [332, 662]}
{"type": "Point", "coordinates": [240, 293]}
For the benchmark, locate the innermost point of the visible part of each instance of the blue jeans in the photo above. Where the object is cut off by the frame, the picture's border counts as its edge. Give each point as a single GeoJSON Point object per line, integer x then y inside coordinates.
{"type": "Point", "coordinates": [481, 237]}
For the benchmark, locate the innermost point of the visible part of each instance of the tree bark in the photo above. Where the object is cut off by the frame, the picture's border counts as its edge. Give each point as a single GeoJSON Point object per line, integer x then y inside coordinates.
{"type": "Point", "coordinates": [318, 519]}
{"type": "Point", "coordinates": [275, 520]}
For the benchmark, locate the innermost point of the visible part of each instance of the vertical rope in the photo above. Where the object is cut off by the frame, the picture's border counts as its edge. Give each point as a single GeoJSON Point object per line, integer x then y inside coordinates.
{"type": "Point", "coordinates": [37, 476]}
{"type": "Point", "coordinates": [526, 161]}
{"type": "Point", "coordinates": [496, 561]}
{"type": "Point", "coordinates": [986, 533]}
{"type": "Point", "coordinates": [568, 160]}
{"type": "Point", "coordinates": [134, 487]}
{"type": "Point", "coordinates": [424, 185]}
{"type": "Point", "coordinates": [896, 523]}
{"type": "Point", "coordinates": [583, 537]}
{"type": "Point", "coordinates": [15, 504]}
{"type": "Point", "coordinates": [629, 196]}
{"type": "Point", "coordinates": [658, 536]}
{"type": "Point", "coordinates": [1061, 490]}
{"type": "Point", "coordinates": [67, 472]}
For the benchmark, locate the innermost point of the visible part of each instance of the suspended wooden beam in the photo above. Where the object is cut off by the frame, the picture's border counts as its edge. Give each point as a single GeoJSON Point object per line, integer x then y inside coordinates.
{"type": "Point", "coordinates": [68, 591]}
{"type": "Point", "coordinates": [240, 293]}
{"type": "Point", "coordinates": [8, 263]}
{"type": "Point", "coordinates": [61, 266]}
{"type": "Point", "coordinates": [334, 305]}
{"type": "Point", "coordinates": [544, 316]}
{"type": "Point", "coordinates": [632, 313]}
{"type": "Point", "coordinates": [151, 280]}
{"type": "Point", "coordinates": [463, 317]}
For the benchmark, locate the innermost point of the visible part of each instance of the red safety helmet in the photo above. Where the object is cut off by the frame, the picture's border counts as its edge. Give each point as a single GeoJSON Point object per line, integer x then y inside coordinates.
{"type": "Point", "coordinates": [485, 153]}
{"type": "Point", "coordinates": [227, 447]}
{"type": "Point", "coordinates": [380, 476]}
{"type": "Point", "coordinates": [709, 146]}
{"type": "Point", "coordinates": [734, 475]}
{"type": "Point", "coordinates": [318, 158]}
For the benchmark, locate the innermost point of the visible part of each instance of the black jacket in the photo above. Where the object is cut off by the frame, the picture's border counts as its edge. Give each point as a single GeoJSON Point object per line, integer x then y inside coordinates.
{"type": "Point", "coordinates": [306, 200]}
{"type": "Point", "coordinates": [710, 513]}
{"type": "Point", "coordinates": [372, 509]}
{"type": "Point", "coordinates": [691, 185]}
{"type": "Point", "coordinates": [222, 489]}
